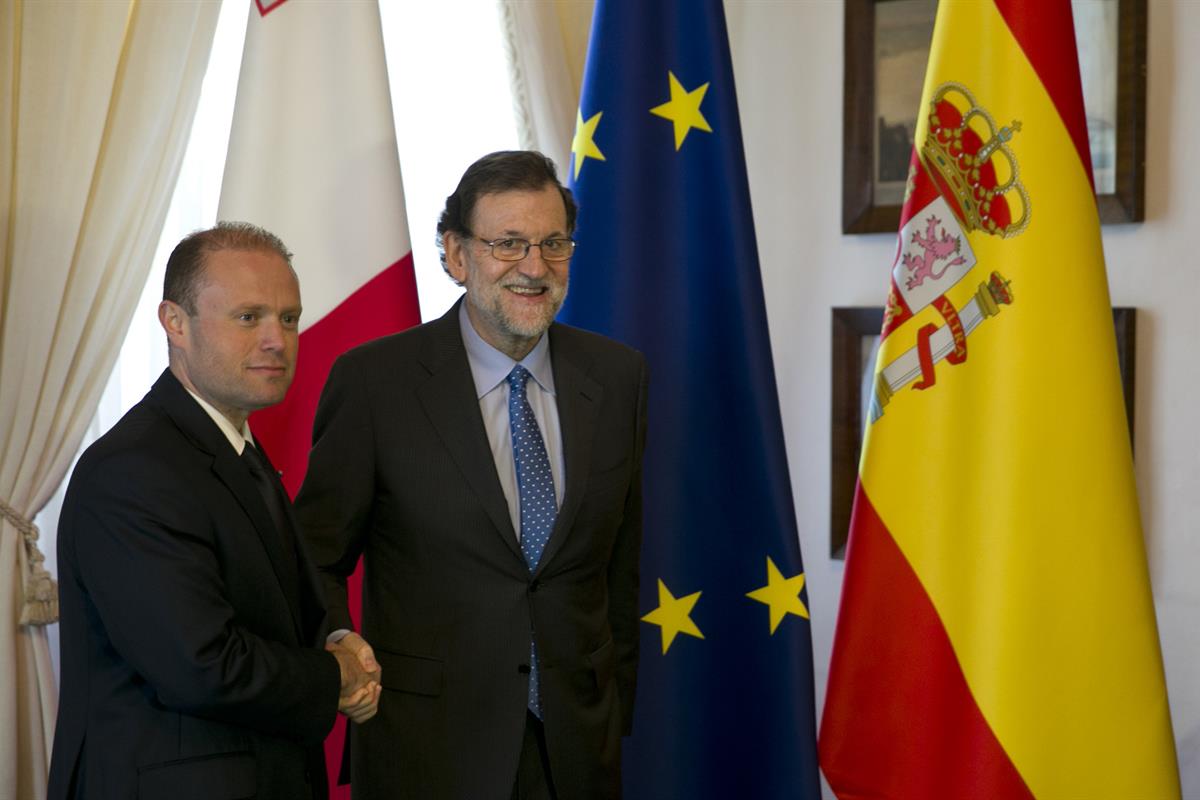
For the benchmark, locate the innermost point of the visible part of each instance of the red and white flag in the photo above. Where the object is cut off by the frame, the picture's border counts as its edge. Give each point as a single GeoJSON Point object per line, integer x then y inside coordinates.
{"type": "Point", "coordinates": [312, 158]}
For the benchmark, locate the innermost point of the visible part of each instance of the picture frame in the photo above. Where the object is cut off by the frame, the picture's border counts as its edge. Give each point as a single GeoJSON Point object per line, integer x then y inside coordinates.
{"type": "Point", "coordinates": [896, 33]}
{"type": "Point", "coordinates": [854, 333]}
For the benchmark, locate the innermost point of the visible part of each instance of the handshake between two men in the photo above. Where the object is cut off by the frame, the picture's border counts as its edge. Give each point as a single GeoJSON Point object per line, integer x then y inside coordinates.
{"type": "Point", "coordinates": [360, 677]}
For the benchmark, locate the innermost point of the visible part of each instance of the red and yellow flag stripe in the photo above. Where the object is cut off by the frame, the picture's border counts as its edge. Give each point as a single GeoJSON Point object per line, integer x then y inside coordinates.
{"type": "Point", "coordinates": [997, 634]}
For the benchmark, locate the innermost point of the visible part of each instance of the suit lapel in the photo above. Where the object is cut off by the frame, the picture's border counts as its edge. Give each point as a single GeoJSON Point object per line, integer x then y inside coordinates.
{"type": "Point", "coordinates": [449, 400]}
{"type": "Point", "coordinates": [192, 420]}
{"type": "Point", "coordinates": [578, 397]}
{"type": "Point", "coordinates": [230, 470]}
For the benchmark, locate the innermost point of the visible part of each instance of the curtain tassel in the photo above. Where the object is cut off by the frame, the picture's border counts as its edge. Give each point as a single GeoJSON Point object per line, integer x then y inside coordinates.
{"type": "Point", "coordinates": [41, 592]}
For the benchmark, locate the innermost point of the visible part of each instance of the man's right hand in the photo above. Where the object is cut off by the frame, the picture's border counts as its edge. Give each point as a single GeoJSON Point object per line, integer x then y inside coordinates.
{"type": "Point", "coordinates": [363, 652]}
{"type": "Point", "coordinates": [360, 677]}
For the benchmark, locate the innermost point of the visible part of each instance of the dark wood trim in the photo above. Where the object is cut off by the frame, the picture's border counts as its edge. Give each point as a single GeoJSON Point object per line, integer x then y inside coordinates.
{"type": "Point", "coordinates": [1127, 203]}
{"type": "Point", "coordinates": [850, 327]}
{"type": "Point", "coordinates": [859, 214]}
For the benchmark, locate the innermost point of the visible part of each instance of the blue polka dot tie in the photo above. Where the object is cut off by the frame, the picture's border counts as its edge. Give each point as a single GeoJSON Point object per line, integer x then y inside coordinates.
{"type": "Point", "coordinates": [535, 485]}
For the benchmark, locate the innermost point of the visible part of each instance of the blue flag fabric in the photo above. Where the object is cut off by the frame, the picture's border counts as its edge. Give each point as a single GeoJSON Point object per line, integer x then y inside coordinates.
{"type": "Point", "coordinates": [667, 262]}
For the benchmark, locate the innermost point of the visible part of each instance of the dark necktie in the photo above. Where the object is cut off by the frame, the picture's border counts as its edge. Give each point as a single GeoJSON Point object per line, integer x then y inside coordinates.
{"type": "Point", "coordinates": [535, 486]}
{"type": "Point", "coordinates": [272, 493]}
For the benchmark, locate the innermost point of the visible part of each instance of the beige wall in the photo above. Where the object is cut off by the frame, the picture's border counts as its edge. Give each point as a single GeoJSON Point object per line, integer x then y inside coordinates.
{"type": "Point", "coordinates": [787, 57]}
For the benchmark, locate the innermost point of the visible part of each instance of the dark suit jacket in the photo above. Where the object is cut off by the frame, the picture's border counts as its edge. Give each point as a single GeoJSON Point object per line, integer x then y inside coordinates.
{"type": "Point", "coordinates": [401, 471]}
{"type": "Point", "coordinates": [189, 669]}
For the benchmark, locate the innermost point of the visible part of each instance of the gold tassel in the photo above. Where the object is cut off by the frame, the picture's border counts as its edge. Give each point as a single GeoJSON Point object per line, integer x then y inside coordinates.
{"type": "Point", "coordinates": [41, 592]}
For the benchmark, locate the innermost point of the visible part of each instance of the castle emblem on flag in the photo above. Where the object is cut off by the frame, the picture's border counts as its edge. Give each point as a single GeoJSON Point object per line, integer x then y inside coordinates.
{"type": "Point", "coordinates": [968, 159]}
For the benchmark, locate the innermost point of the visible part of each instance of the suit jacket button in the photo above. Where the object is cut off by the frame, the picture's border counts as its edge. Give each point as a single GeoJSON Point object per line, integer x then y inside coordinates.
{"type": "Point", "coordinates": [523, 669]}
{"type": "Point", "coordinates": [534, 585]}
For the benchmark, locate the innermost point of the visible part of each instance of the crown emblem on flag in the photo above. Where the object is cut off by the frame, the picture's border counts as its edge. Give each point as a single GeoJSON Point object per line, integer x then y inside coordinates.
{"type": "Point", "coordinates": [969, 157]}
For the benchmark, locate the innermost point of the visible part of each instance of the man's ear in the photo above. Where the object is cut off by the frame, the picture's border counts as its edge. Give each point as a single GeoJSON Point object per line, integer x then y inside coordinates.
{"type": "Point", "coordinates": [455, 257]}
{"type": "Point", "coordinates": [174, 321]}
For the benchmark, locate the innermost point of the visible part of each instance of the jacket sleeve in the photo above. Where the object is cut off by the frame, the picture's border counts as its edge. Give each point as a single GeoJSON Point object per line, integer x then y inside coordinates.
{"type": "Point", "coordinates": [623, 570]}
{"type": "Point", "coordinates": [144, 549]}
{"type": "Point", "coordinates": [335, 503]}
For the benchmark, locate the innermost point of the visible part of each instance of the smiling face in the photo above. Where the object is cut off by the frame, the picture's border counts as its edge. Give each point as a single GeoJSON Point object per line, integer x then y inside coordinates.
{"type": "Point", "coordinates": [511, 303]}
{"type": "Point", "coordinates": [238, 351]}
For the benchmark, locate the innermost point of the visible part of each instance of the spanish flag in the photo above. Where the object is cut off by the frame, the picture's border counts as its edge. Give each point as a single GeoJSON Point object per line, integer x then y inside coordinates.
{"type": "Point", "coordinates": [996, 637]}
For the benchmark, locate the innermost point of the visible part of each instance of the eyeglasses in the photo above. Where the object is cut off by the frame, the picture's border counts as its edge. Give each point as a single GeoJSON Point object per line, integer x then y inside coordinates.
{"type": "Point", "coordinates": [559, 249]}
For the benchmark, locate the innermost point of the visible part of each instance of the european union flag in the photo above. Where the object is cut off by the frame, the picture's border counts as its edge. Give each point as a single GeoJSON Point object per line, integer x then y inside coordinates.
{"type": "Point", "coordinates": [667, 262]}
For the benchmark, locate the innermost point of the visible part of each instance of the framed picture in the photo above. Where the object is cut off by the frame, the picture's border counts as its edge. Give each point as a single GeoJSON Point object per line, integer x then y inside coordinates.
{"type": "Point", "coordinates": [887, 47]}
{"type": "Point", "coordinates": [853, 342]}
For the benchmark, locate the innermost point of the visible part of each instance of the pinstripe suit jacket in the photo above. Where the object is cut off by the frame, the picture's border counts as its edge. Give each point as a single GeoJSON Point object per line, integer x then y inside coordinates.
{"type": "Point", "coordinates": [401, 472]}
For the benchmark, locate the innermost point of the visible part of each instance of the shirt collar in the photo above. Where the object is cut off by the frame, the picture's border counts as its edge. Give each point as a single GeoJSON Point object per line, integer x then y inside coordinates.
{"type": "Point", "coordinates": [489, 366]}
{"type": "Point", "coordinates": [236, 438]}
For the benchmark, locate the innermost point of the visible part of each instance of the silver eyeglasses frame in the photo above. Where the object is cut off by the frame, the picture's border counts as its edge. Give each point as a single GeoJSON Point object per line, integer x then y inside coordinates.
{"type": "Point", "coordinates": [515, 240]}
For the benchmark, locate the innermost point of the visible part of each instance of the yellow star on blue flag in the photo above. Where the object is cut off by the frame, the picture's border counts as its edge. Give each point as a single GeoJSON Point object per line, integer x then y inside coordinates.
{"type": "Point", "coordinates": [781, 595]}
{"type": "Point", "coordinates": [673, 615]}
{"type": "Point", "coordinates": [583, 145]}
{"type": "Point", "coordinates": [683, 109]}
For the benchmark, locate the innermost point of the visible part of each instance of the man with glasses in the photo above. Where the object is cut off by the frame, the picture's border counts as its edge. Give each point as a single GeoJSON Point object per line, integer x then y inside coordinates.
{"type": "Point", "coordinates": [488, 467]}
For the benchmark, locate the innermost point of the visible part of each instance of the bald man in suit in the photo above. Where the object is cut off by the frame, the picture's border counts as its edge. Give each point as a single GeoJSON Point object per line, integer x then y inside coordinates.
{"type": "Point", "coordinates": [193, 655]}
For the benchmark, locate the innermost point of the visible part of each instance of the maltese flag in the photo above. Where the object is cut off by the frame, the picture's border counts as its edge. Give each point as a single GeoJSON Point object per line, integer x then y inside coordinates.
{"type": "Point", "coordinates": [312, 158]}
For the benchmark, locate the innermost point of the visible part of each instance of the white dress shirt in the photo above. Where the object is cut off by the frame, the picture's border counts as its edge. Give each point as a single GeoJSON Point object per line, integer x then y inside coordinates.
{"type": "Point", "coordinates": [490, 368]}
{"type": "Point", "coordinates": [236, 438]}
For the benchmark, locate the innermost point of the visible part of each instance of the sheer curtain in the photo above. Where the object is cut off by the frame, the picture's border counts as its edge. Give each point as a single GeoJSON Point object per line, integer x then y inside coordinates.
{"type": "Point", "coordinates": [193, 205]}
{"type": "Point", "coordinates": [545, 44]}
{"type": "Point", "coordinates": [97, 100]}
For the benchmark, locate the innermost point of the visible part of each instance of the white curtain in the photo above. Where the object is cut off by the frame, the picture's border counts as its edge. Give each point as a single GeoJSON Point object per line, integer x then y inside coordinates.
{"type": "Point", "coordinates": [543, 40]}
{"type": "Point", "coordinates": [96, 101]}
